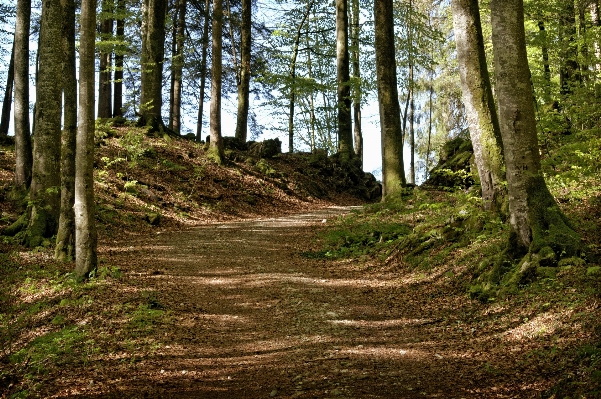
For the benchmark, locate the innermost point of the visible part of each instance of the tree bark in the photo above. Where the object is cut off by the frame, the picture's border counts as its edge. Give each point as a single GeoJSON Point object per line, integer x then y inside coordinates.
{"type": "Point", "coordinates": [546, 64]}
{"type": "Point", "coordinates": [345, 133]}
{"type": "Point", "coordinates": [243, 80]}
{"type": "Point", "coordinates": [119, 53]}
{"type": "Point", "coordinates": [355, 32]}
{"type": "Point", "coordinates": [203, 70]}
{"type": "Point", "coordinates": [216, 146]}
{"type": "Point", "coordinates": [105, 54]}
{"type": "Point", "coordinates": [569, 75]}
{"type": "Point", "coordinates": [393, 173]}
{"type": "Point", "coordinates": [23, 150]}
{"type": "Point", "coordinates": [8, 95]}
{"type": "Point", "coordinates": [44, 191]}
{"type": "Point", "coordinates": [65, 237]}
{"type": "Point", "coordinates": [177, 67]}
{"type": "Point", "coordinates": [86, 238]}
{"type": "Point", "coordinates": [153, 51]}
{"type": "Point", "coordinates": [536, 220]}
{"type": "Point", "coordinates": [478, 100]}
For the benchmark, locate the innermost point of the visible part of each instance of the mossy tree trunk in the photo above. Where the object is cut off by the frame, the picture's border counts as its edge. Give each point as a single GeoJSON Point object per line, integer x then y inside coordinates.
{"type": "Point", "coordinates": [569, 70]}
{"type": "Point", "coordinates": [8, 95]}
{"type": "Point", "coordinates": [203, 69]}
{"type": "Point", "coordinates": [536, 220]}
{"type": "Point", "coordinates": [44, 192]}
{"type": "Point", "coordinates": [216, 146]}
{"type": "Point", "coordinates": [243, 78]}
{"type": "Point", "coordinates": [177, 64]}
{"type": "Point", "coordinates": [65, 237]}
{"type": "Point", "coordinates": [393, 172]}
{"type": "Point", "coordinates": [120, 50]}
{"type": "Point", "coordinates": [23, 150]}
{"type": "Point", "coordinates": [106, 61]}
{"type": "Point", "coordinates": [345, 125]}
{"type": "Point", "coordinates": [479, 103]}
{"type": "Point", "coordinates": [357, 95]}
{"type": "Point", "coordinates": [153, 51]}
{"type": "Point", "coordinates": [85, 237]}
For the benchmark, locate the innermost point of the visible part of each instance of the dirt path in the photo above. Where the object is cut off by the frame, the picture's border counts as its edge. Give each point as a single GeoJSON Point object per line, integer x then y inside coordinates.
{"type": "Point", "coordinates": [248, 317]}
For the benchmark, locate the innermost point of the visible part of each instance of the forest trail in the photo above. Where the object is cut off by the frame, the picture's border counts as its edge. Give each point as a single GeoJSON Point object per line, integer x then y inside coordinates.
{"type": "Point", "coordinates": [246, 316]}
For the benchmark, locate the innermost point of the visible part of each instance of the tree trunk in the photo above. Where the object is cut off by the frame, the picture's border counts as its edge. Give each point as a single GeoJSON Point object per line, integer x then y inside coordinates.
{"type": "Point", "coordinates": [8, 95]}
{"type": "Point", "coordinates": [23, 151]}
{"type": "Point", "coordinates": [104, 77]}
{"type": "Point", "coordinates": [44, 191]}
{"type": "Point", "coordinates": [153, 51]}
{"type": "Point", "coordinates": [293, 77]}
{"type": "Point", "coordinates": [478, 100]}
{"type": "Point", "coordinates": [536, 220]}
{"type": "Point", "coordinates": [244, 71]}
{"type": "Point", "coordinates": [345, 126]}
{"type": "Point", "coordinates": [596, 21]}
{"type": "Point", "coordinates": [393, 173]}
{"type": "Point", "coordinates": [412, 132]}
{"type": "Point", "coordinates": [546, 64]}
{"type": "Point", "coordinates": [216, 147]}
{"type": "Point", "coordinates": [119, 52]}
{"type": "Point", "coordinates": [177, 67]}
{"type": "Point", "coordinates": [86, 239]}
{"type": "Point", "coordinates": [355, 31]}
{"type": "Point", "coordinates": [203, 70]}
{"type": "Point", "coordinates": [65, 238]}
{"type": "Point", "coordinates": [569, 75]}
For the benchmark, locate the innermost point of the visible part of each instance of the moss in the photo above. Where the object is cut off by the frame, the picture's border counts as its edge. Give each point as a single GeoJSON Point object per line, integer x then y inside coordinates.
{"type": "Point", "coordinates": [17, 226]}
{"type": "Point", "coordinates": [215, 154]}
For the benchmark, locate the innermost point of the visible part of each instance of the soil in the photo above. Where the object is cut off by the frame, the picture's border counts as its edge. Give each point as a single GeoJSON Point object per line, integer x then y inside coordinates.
{"type": "Point", "coordinates": [247, 316]}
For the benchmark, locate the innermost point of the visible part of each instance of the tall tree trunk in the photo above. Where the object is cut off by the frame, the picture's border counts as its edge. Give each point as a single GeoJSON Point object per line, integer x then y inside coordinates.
{"type": "Point", "coordinates": [86, 239]}
{"type": "Point", "coordinates": [8, 95]}
{"type": "Point", "coordinates": [292, 101]}
{"type": "Point", "coordinates": [393, 173]}
{"type": "Point", "coordinates": [203, 70]}
{"type": "Point", "coordinates": [44, 191]}
{"type": "Point", "coordinates": [119, 53]}
{"type": "Point", "coordinates": [65, 237]}
{"type": "Point", "coordinates": [412, 132]}
{"type": "Point", "coordinates": [153, 51]}
{"type": "Point", "coordinates": [216, 147]}
{"type": "Point", "coordinates": [173, 56]}
{"type": "Point", "coordinates": [569, 75]}
{"type": "Point", "coordinates": [546, 63]}
{"type": "Point", "coordinates": [23, 150]}
{"type": "Point", "coordinates": [104, 77]}
{"type": "Point", "coordinates": [596, 21]}
{"type": "Point", "coordinates": [355, 32]}
{"type": "Point", "coordinates": [478, 100]}
{"type": "Point", "coordinates": [177, 67]}
{"type": "Point", "coordinates": [536, 220]}
{"type": "Point", "coordinates": [345, 132]}
{"type": "Point", "coordinates": [243, 80]}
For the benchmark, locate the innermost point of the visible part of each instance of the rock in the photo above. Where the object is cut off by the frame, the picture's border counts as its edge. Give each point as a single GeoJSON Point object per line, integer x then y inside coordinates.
{"type": "Point", "coordinates": [153, 218]}
{"type": "Point", "coordinates": [266, 149]}
{"type": "Point", "coordinates": [233, 143]}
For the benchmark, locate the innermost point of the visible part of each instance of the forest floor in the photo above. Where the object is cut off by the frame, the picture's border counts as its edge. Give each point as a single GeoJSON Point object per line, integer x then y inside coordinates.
{"type": "Point", "coordinates": [244, 297]}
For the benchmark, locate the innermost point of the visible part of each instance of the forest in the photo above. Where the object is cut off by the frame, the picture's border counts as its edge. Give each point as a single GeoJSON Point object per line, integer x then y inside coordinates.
{"type": "Point", "coordinates": [300, 199]}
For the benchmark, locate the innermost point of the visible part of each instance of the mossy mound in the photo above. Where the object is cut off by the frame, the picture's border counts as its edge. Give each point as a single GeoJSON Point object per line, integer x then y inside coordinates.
{"type": "Point", "coordinates": [454, 167]}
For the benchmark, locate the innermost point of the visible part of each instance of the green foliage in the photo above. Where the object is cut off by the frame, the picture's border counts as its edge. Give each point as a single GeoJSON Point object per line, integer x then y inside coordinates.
{"type": "Point", "coordinates": [135, 144]}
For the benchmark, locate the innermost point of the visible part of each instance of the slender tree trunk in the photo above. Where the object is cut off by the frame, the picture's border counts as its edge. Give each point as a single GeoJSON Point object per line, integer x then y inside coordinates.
{"type": "Point", "coordinates": [536, 220]}
{"type": "Point", "coordinates": [412, 133]}
{"type": "Point", "coordinates": [23, 150]}
{"type": "Point", "coordinates": [119, 53]}
{"type": "Point", "coordinates": [244, 71]}
{"type": "Point", "coordinates": [216, 147]}
{"type": "Point", "coordinates": [203, 70]}
{"type": "Point", "coordinates": [430, 111]}
{"type": "Point", "coordinates": [355, 32]}
{"type": "Point", "coordinates": [44, 191]}
{"type": "Point", "coordinates": [65, 238]}
{"type": "Point", "coordinates": [86, 238]}
{"type": "Point", "coordinates": [393, 173]}
{"type": "Point", "coordinates": [478, 99]}
{"type": "Point", "coordinates": [178, 65]}
{"type": "Point", "coordinates": [596, 21]}
{"type": "Point", "coordinates": [311, 103]}
{"type": "Point", "coordinates": [569, 75]}
{"type": "Point", "coordinates": [546, 64]}
{"type": "Point", "coordinates": [293, 77]}
{"type": "Point", "coordinates": [8, 95]}
{"type": "Point", "coordinates": [104, 77]}
{"type": "Point", "coordinates": [153, 51]}
{"type": "Point", "coordinates": [345, 125]}
{"type": "Point", "coordinates": [173, 61]}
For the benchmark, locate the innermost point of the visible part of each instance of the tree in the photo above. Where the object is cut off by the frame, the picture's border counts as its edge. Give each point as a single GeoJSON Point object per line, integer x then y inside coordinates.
{"type": "Point", "coordinates": [153, 51]}
{"type": "Point", "coordinates": [119, 52]}
{"type": "Point", "coordinates": [216, 146]}
{"type": "Point", "coordinates": [478, 100]}
{"type": "Point", "coordinates": [345, 133]}
{"type": "Point", "coordinates": [65, 237]}
{"type": "Point", "coordinates": [355, 33]}
{"type": "Point", "coordinates": [536, 220]}
{"type": "Point", "coordinates": [23, 151]}
{"type": "Point", "coordinates": [44, 192]}
{"type": "Point", "coordinates": [85, 237]}
{"type": "Point", "coordinates": [393, 173]}
{"type": "Point", "coordinates": [243, 72]}
{"type": "Point", "coordinates": [8, 95]}
{"type": "Point", "coordinates": [177, 64]}
{"type": "Point", "coordinates": [203, 69]}
{"type": "Point", "coordinates": [105, 53]}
